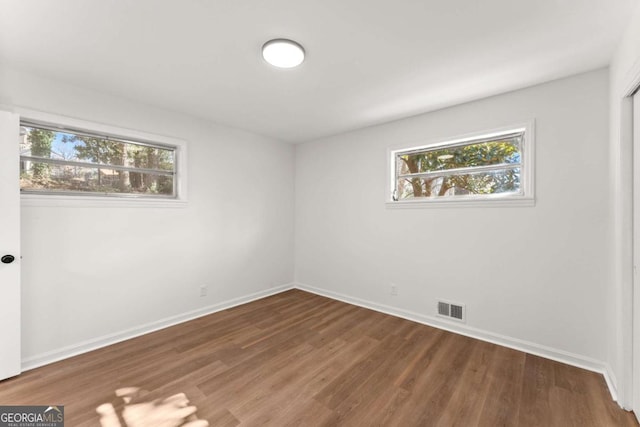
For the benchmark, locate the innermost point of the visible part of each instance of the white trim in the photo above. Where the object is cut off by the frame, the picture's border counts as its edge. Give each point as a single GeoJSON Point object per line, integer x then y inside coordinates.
{"type": "Point", "coordinates": [498, 202]}
{"type": "Point", "coordinates": [623, 182]}
{"type": "Point", "coordinates": [106, 340]}
{"type": "Point", "coordinates": [633, 82]}
{"type": "Point", "coordinates": [612, 384]}
{"type": "Point", "coordinates": [469, 331]}
{"type": "Point", "coordinates": [527, 198]}
{"type": "Point", "coordinates": [53, 200]}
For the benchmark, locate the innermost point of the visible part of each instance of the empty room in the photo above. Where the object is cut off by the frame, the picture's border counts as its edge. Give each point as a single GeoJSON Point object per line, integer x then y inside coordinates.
{"type": "Point", "coordinates": [321, 213]}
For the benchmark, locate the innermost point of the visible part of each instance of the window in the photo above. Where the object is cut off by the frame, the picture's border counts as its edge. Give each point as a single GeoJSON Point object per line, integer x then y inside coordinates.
{"type": "Point", "coordinates": [488, 167]}
{"type": "Point", "coordinates": [67, 161]}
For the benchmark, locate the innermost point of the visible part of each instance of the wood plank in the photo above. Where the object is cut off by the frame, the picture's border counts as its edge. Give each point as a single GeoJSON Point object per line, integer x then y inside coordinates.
{"type": "Point", "coordinates": [300, 359]}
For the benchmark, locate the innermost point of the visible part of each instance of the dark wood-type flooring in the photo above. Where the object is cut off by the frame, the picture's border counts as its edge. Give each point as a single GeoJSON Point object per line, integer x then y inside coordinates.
{"type": "Point", "coordinates": [298, 359]}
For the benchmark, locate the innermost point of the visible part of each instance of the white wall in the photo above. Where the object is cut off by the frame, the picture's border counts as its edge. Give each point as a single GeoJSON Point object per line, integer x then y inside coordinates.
{"type": "Point", "coordinates": [533, 277]}
{"type": "Point", "coordinates": [624, 74]}
{"type": "Point", "coordinates": [91, 272]}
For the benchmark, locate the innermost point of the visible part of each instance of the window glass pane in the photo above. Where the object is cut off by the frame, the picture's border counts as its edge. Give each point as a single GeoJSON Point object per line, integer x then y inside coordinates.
{"type": "Point", "coordinates": [38, 143]}
{"type": "Point", "coordinates": [140, 156]}
{"type": "Point", "coordinates": [90, 149]}
{"type": "Point", "coordinates": [80, 162]}
{"type": "Point", "coordinates": [499, 151]}
{"type": "Point", "coordinates": [37, 176]}
{"type": "Point", "coordinates": [504, 181]}
{"type": "Point", "coordinates": [93, 150]}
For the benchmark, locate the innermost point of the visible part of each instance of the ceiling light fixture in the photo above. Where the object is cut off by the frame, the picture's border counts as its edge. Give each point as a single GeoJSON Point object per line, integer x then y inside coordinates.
{"type": "Point", "coordinates": [283, 53]}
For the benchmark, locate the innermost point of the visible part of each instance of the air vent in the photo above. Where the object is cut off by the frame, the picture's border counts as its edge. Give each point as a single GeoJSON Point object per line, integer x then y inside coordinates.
{"type": "Point", "coordinates": [452, 311]}
{"type": "Point", "coordinates": [456, 312]}
{"type": "Point", "coordinates": [443, 308]}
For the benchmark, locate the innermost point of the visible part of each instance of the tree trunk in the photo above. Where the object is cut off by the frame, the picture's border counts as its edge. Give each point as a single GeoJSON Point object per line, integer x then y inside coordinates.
{"type": "Point", "coordinates": [123, 176]}
{"type": "Point", "coordinates": [151, 181]}
{"type": "Point", "coordinates": [412, 164]}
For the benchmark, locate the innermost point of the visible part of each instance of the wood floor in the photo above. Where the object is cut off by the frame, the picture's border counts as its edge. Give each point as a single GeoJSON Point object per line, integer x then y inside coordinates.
{"type": "Point", "coordinates": [298, 359]}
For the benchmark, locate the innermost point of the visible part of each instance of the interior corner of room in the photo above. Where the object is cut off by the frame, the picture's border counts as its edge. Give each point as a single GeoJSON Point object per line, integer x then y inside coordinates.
{"type": "Point", "coordinates": [269, 210]}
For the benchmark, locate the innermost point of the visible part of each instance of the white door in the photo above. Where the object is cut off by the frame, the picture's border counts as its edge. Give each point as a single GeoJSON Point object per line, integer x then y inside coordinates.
{"type": "Point", "coordinates": [9, 245]}
{"type": "Point", "coordinates": [636, 255]}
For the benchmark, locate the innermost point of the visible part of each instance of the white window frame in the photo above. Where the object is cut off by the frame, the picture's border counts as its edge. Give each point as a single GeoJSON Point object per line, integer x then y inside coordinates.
{"type": "Point", "coordinates": [527, 176]}
{"type": "Point", "coordinates": [86, 200]}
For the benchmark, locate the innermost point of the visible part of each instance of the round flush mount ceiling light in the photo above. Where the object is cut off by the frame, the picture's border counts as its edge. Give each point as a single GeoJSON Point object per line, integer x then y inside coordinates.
{"type": "Point", "coordinates": [283, 53]}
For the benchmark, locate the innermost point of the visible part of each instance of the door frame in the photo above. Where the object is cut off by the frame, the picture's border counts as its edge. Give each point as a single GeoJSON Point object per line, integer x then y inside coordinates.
{"type": "Point", "coordinates": [635, 326]}
{"type": "Point", "coordinates": [10, 359]}
{"type": "Point", "coordinates": [624, 241]}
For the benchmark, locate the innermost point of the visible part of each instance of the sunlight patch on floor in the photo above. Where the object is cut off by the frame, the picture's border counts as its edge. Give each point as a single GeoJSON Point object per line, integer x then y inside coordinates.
{"type": "Point", "coordinates": [174, 411]}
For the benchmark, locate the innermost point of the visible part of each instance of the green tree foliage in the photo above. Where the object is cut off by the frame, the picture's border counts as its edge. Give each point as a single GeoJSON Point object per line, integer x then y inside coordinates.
{"type": "Point", "coordinates": [96, 150]}
{"type": "Point", "coordinates": [100, 173]}
{"type": "Point", "coordinates": [40, 141]}
{"type": "Point", "coordinates": [482, 154]}
{"type": "Point", "coordinates": [101, 151]}
{"type": "Point", "coordinates": [109, 152]}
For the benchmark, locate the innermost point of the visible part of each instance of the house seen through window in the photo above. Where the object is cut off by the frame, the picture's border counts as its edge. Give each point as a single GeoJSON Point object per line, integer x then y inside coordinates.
{"type": "Point", "coordinates": [67, 161]}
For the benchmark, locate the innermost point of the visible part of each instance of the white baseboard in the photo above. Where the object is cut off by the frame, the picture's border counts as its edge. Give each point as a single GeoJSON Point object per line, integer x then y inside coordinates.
{"type": "Point", "coordinates": [612, 383]}
{"type": "Point", "coordinates": [469, 331]}
{"type": "Point", "coordinates": [103, 341]}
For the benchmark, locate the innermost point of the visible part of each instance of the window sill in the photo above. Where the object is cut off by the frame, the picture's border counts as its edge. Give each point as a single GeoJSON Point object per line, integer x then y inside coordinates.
{"type": "Point", "coordinates": [462, 203]}
{"type": "Point", "coordinates": [39, 200]}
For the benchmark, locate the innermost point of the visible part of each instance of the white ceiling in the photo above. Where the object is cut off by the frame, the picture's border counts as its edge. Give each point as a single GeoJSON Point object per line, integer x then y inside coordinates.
{"type": "Point", "coordinates": [369, 61]}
